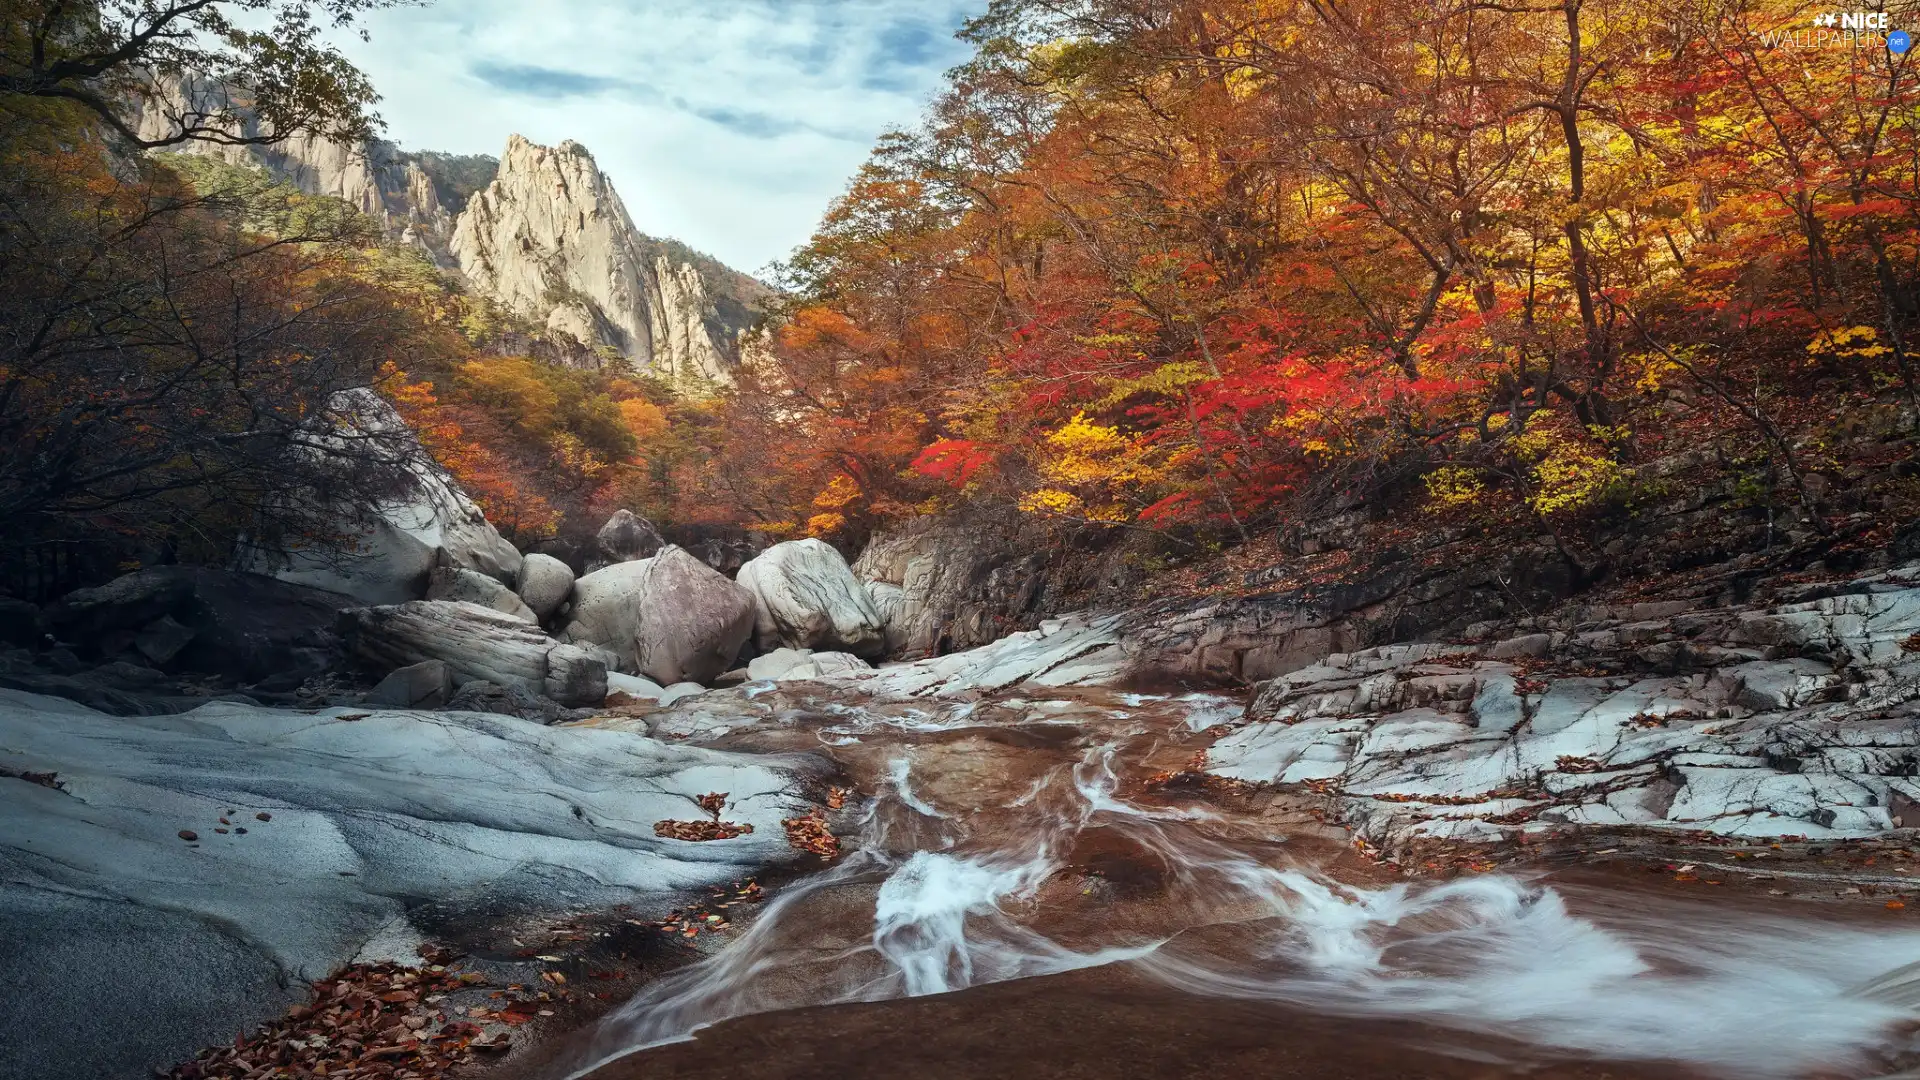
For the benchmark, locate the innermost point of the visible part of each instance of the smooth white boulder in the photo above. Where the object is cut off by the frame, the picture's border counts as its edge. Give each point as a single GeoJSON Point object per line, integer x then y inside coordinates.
{"type": "Point", "coordinates": [634, 686]}
{"type": "Point", "coordinates": [391, 559]}
{"type": "Point", "coordinates": [545, 583]}
{"type": "Point", "coordinates": [825, 665]}
{"type": "Point", "coordinates": [678, 691]}
{"type": "Point", "coordinates": [671, 618]}
{"type": "Point", "coordinates": [1074, 650]}
{"type": "Point", "coordinates": [369, 816]}
{"type": "Point", "coordinates": [776, 663]}
{"type": "Point", "coordinates": [449, 583]}
{"type": "Point", "coordinates": [806, 597]}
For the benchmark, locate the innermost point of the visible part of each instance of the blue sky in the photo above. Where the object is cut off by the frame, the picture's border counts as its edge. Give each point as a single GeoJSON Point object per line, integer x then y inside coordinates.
{"type": "Point", "coordinates": [728, 124]}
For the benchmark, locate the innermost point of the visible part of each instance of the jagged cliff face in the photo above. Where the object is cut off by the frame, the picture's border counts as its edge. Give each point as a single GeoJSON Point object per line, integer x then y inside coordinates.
{"type": "Point", "coordinates": [376, 178]}
{"type": "Point", "coordinates": [551, 239]}
{"type": "Point", "coordinates": [543, 232]}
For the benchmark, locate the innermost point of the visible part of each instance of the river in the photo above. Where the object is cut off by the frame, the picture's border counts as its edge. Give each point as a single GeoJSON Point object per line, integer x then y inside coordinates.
{"type": "Point", "coordinates": [1022, 899]}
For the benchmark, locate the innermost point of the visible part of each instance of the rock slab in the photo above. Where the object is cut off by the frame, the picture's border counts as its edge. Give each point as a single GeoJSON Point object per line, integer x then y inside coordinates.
{"type": "Point", "coordinates": [476, 643]}
{"type": "Point", "coordinates": [368, 817]}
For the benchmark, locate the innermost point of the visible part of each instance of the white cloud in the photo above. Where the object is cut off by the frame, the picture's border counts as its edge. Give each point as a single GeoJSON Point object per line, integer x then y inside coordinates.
{"type": "Point", "coordinates": [728, 124]}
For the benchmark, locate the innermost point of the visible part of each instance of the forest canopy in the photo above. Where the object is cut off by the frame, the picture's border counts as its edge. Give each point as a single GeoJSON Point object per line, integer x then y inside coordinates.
{"type": "Point", "coordinates": [1202, 267]}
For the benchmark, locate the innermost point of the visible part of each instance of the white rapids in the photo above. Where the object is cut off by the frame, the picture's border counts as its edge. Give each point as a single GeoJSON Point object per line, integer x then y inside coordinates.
{"type": "Point", "coordinates": [937, 898]}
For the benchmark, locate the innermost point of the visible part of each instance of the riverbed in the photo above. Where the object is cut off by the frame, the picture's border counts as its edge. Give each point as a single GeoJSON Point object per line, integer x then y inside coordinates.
{"type": "Point", "coordinates": [1040, 886]}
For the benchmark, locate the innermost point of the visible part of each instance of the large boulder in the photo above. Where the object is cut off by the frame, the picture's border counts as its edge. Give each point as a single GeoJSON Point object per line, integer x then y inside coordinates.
{"type": "Point", "coordinates": [627, 537]}
{"type": "Point", "coordinates": [244, 627]}
{"type": "Point", "coordinates": [390, 560]}
{"type": "Point", "coordinates": [450, 583]}
{"type": "Point", "coordinates": [545, 583]}
{"type": "Point", "coordinates": [477, 643]}
{"type": "Point", "coordinates": [671, 618]}
{"type": "Point", "coordinates": [806, 597]}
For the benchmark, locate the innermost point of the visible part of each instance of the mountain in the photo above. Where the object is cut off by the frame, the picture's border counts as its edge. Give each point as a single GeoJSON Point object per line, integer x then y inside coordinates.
{"type": "Point", "coordinates": [550, 238]}
{"type": "Point", "coordinates": [540, 230]}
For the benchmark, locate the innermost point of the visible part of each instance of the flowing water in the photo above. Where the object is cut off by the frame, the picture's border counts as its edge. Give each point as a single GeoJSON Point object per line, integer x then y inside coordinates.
{"type": "Point", "coordinates": [1018, 839]}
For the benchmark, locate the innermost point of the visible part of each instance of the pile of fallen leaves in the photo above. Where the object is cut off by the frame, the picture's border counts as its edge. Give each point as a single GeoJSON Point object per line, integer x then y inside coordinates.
{"type": "Point", "coordinates": [713, 829]}
{"type": "Point", "coordinates": [810, 833]}
{"type": "Point", "coordinates": [700, 830]}
{"type": "Point", "coordinates": [367, 1021]}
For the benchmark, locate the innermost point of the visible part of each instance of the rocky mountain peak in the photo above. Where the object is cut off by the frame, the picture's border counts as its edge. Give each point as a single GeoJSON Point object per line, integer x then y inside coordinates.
{"type": "Point", "coordinates": [542, 231]}
{"type": "Point", "coordinates": [551, 239]}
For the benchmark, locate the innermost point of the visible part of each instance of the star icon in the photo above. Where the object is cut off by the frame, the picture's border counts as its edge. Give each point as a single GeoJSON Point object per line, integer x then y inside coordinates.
{"type": "Point", "coordinates": [1825, 18]}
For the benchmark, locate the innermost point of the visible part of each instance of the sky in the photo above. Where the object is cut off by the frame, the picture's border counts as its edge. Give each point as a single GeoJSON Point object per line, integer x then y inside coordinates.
{"type": "Point", "coordinates": [726, 124]}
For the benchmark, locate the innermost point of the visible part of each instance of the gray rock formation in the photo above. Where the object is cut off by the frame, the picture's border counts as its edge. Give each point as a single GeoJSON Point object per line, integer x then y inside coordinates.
{"type": "Point", "coordinates": [367, 818]}
{"type": "Point", "coordinates": [244, 627]}
{"type": "Point", "coordinates": [634, 686]}
{"type": "Point", "coordinates": [795, 665]}
{"type": "Point", "coordinates": [391, 562]}
{"type": "Point", "coordinates": [1250, 639]}
{"type": "Point", "coordinates": [425, 685]}
{"type": "Point", "coordinates": [963, 582]}
{"type": "Point", "coordinates": [626, 537]}
{"type": "Point", "coordinates": [806, 597]}
{"type": "Point", "coordinates": [545, 583]}
{"type": "Point", "coordinates": [541, 231]}
{"type": "Point", "coordinates": [671, 618]}
{"type": "Point", "coordinates": [396, 189]}
{"type": "Point", "coordinates": [550, 239]}
{"type": "Point", "coordinates": [476, 643]}
{"type": "Point", "coordinates": [890, 603]}
{"type": "Point", "coordinates": [452, 583]}
{"type": "Point", "coordinates": [1799, 718]}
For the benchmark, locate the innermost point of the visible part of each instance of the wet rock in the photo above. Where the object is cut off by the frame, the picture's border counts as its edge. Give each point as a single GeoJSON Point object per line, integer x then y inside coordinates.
{"type": "Point", "coordinates": [450, 583]}
{"type": "Point", "coordinates": [821, 665]}
{"type": "Point", "coordinates": [1710, 737]}
{"type": "Point", "coordinates": [772, 665]}
{"type": "Point", "coordinates": [479, 696]}
{"type": "Point", "coordinates": [681, 691]}
{"type": "Point", "coordinates": [671, 618]}
{"type": "Point", "coordinates": [806, 597]}
{"type": "Point", "coordinates": [545, 583]}
{"type": "Point", "coordinates": [1075, 650]}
